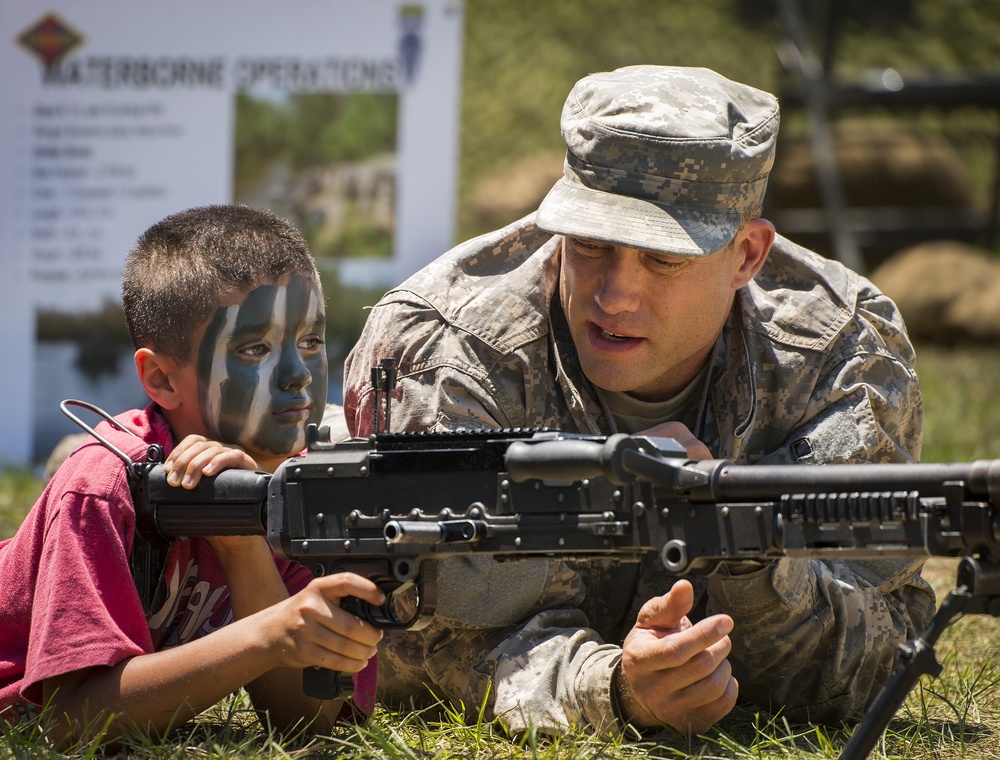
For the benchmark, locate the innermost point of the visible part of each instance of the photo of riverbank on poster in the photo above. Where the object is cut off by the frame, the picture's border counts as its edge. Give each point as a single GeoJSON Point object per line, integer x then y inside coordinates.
{"type": "Point", "coordinates": [341, 115]}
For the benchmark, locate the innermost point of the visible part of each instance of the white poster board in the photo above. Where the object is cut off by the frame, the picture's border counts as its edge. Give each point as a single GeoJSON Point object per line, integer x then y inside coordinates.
{"type": "Point", "coordinates": [118, 113]}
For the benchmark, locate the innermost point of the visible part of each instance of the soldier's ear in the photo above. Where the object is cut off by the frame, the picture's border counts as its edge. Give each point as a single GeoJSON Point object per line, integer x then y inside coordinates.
{"type": "Point", "coordinates": [157, 373]}
{"type": "Point", "coordinates": [752, 244]}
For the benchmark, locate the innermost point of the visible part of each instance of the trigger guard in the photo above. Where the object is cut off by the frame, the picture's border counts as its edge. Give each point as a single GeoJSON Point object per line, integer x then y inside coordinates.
{"type": "Point", "coordinates": [384, 615]}
{"type": "Point", "coordinates": [379, 615]}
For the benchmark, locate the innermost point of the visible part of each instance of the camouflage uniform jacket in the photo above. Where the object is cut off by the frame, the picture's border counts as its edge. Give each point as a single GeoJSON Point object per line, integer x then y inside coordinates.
{"type": "Point", "coordinates": [814, 366]}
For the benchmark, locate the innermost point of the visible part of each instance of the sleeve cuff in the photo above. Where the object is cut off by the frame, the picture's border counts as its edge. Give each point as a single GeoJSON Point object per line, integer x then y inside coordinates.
{"type": "Point", "coordinates": [783, 582]}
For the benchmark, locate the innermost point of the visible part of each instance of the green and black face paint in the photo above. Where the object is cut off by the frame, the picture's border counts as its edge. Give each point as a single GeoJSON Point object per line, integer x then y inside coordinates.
{"type": "Point", "coordinates": [262, 368]}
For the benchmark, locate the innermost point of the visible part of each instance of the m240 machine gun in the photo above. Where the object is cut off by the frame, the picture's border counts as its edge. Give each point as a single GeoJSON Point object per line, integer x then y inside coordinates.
{"type": "Point", "coordinates": [389, 506]}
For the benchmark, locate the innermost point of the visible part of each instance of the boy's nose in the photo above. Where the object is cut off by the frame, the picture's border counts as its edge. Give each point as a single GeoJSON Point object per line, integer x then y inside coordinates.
{"type": "Point", "coordinates": [293, 372]}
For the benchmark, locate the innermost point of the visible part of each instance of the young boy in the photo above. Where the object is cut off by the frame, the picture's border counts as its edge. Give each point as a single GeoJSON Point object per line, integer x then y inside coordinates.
{"type": "Point", "coordinates": [225, 308]}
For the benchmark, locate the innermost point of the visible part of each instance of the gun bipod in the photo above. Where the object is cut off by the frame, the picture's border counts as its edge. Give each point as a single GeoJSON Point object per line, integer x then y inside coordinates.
{"type": "Point", "coordinates": [978, 592]}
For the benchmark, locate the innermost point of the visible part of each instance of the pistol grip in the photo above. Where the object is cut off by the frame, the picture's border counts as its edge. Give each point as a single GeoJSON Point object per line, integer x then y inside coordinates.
{"type": "Point", "coordinates": [321, 683]}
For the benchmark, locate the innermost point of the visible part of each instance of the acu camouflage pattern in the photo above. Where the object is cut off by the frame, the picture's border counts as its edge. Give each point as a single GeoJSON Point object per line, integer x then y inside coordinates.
{"type": "Point", "coordinates": [661, 158]}
{"type": "Point", "coordinates": [812, 353]}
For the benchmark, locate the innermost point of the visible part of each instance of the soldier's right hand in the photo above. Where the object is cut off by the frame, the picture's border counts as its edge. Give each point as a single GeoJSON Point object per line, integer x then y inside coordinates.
{"type": "Point", "coordinates": [672, 672]}
{"type": "Point", "coordinates": [680, 433]}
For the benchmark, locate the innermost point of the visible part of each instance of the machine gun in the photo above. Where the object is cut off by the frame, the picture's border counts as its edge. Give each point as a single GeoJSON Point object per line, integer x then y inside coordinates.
{"type": "Point", "coordinates": [389, 506]}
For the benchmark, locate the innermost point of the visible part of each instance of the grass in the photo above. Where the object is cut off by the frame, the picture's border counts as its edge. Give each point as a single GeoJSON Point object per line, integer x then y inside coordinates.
{"type": "Point", "coordinates": [19, 488]}
{"type": "Point", "coordinates": [960, 387]}
{"type": "Point", "coordinates": [952, 721]}
{"type": "Point", "coordinates": [953, 716]}
{"type": "Point", "coordinates": [522, 57]}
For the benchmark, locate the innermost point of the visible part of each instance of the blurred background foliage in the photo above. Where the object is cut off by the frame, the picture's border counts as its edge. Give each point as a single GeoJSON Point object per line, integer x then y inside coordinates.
{"type": "Point", "coordinates": [324, 161]}
{"type": "Point", "coordinates": [306, 131]}
{"type": "Point", "coordinates": [522, 58]}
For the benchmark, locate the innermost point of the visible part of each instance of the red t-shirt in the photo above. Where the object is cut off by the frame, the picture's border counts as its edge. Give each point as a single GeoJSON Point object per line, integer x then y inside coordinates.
{"type": "Point", "coordinates": [67, 598]}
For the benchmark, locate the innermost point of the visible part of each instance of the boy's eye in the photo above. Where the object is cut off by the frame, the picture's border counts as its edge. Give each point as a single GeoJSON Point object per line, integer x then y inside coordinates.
{"type": "Point", "coordinates": [311, 343]}
{"type": "Point", "coordinates": [253, 350]}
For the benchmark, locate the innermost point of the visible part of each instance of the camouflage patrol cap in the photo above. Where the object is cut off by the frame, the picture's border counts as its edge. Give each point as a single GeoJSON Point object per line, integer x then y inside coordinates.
{"type": "Point", "coordinates": [661, 158]}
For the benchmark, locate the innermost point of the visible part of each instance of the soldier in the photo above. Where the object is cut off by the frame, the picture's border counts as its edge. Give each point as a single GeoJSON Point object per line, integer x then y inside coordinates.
{"type": "Point", "coordinates": [647, 294]}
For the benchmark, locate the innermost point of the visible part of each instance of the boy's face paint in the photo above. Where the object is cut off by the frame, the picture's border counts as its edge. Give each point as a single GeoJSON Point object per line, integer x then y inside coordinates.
{"type": "Point", "coordinates": [262, 369]}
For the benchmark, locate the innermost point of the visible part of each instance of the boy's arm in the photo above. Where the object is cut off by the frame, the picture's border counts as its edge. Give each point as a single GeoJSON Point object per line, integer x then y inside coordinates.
{"type": "Point", "coordinates": [255, 587]}
{"type": "Point", "coordinates": [156, 691]}
{"type": "Point", "coordinates": [272, 638]}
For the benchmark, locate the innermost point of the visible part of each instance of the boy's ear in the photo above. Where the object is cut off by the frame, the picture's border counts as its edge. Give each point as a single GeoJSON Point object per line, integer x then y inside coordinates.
{"type": "Point", "coordinates": [156, 373]}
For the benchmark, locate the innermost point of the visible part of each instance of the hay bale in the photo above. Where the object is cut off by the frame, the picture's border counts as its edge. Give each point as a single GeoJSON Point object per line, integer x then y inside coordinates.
{"type": "Point", "coordinates": [979, 317]}
{"type": "Point", "coordinates": [946, 291]}
{"type": "Point", "coordinates": [880, 163]}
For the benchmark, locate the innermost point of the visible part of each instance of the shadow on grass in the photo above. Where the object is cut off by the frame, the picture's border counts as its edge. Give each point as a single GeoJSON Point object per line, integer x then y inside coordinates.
{"type": "Point", "coordinates": [906, 738]}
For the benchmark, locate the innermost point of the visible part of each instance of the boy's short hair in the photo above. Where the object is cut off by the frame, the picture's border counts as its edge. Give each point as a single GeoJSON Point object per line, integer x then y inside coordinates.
{"type": "Point", "coordinates": [181, 268]}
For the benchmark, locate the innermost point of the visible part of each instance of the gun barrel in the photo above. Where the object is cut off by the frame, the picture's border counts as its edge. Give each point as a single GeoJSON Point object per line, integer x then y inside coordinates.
{"type": "Point", "coordinates": [740, 482]}
{"type": "Point", "coordinates": [621, 458]}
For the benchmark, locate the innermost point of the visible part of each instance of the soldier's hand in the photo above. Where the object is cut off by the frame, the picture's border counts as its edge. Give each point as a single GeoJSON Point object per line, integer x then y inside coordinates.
{"type": "Point", "coordinates": [680, 433]}
{"type": "Point", "coordinates": [672, 672]}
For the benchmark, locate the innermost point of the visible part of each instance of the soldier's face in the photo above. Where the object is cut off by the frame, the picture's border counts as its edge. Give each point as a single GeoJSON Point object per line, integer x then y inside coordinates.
{"type": "Point", "coordinates": [262, 369]}
{"type": "Point", "coordinates": [644, 322]}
